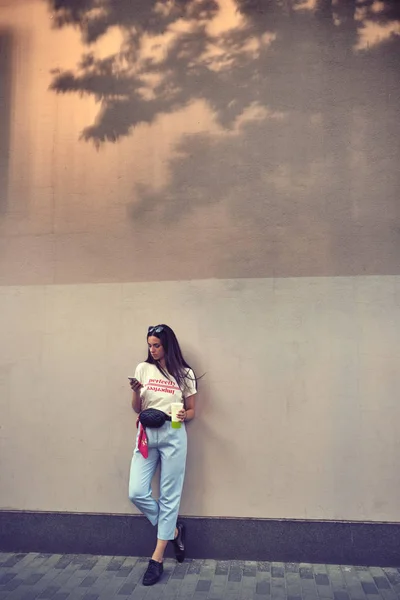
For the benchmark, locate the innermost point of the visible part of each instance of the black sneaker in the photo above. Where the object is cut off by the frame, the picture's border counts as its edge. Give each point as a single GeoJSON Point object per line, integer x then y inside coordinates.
{"type": "Point", "coordinates": [153, 572]}
{"type": "Point", "coordinates": [179, 543]}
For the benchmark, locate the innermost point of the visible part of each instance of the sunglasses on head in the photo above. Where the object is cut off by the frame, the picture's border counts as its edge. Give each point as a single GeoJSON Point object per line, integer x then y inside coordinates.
{"type": "Point", "coordinates": [155, 329]}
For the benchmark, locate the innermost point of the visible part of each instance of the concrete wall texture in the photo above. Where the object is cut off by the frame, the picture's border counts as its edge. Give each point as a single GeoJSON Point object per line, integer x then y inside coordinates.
{"type": "Point", "coordinates": [230, 168]}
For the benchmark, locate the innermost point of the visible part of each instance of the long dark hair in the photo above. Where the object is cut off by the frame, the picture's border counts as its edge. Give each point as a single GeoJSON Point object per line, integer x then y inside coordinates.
{"type": "Point", "coordinates": [175, 364]}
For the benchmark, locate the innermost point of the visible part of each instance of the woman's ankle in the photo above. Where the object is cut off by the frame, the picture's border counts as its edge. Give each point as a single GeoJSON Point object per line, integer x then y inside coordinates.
{"type": "Point", "coordinates": [157, 558]}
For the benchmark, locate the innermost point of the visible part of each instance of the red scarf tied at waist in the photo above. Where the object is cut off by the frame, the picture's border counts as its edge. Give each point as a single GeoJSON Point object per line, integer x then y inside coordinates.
{"type": "Point", "coordinates": [142, 440]}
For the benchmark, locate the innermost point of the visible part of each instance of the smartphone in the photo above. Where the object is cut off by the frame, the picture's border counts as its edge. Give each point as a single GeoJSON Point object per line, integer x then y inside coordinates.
{"type": "Point", "coordinates": [131, 379]}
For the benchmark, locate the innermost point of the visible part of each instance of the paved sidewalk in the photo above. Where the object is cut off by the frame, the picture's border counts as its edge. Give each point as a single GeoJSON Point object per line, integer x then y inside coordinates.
{"type": "Point", "coordinates": [85, 577]}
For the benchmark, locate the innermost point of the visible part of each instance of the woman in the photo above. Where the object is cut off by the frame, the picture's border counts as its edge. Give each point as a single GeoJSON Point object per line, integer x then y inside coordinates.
{"type": "Point", "coordinates": [165, 377]}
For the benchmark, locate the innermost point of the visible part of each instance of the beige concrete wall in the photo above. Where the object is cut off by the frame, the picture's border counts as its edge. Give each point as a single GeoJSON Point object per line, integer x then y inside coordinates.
{"type": "Point", "coordinates": [298, 410]}
{"type": "Point", "coordinates": [258, 216]}
{"type": "Point", "coordinates": [300, 180]}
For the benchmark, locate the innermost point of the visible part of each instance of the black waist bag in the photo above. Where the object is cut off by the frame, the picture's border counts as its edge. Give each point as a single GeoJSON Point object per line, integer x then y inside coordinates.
{"type": "Point", "coordinates": [151, 417]}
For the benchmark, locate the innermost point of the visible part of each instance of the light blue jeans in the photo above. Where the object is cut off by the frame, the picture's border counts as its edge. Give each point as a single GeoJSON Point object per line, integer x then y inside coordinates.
{"type": "Point", "coordinates": [169, 446]}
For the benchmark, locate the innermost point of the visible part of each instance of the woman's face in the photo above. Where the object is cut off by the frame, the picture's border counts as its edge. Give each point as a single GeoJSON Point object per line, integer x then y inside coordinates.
{"type": "Point", "coordinates": [155, 347]}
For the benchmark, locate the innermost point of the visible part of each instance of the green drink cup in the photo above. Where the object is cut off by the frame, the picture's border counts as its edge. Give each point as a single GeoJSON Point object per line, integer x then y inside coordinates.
{"type": "Point", "coordinates": [175, 408]}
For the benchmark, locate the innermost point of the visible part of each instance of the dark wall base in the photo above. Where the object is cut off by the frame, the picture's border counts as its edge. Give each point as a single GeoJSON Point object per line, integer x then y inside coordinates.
{"type": "Point", "coordinates": [338, 542]}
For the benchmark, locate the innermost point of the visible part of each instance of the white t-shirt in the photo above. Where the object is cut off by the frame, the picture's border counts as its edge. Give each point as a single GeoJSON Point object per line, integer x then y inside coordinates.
{"type": "Point", "coordinates": [158, 391]}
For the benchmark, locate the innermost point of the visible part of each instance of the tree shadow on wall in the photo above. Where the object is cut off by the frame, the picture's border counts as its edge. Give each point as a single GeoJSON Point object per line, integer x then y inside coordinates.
{"type": "Point", "coordinates": [133, 86]}
{"type": "Point", "coordinates": [305, 106]}
{"type": "Point", "coordinates": [260, 60]}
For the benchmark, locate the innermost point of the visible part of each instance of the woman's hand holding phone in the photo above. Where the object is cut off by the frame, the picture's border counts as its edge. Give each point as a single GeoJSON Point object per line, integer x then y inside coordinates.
{"type": "Point", "coordinates": [135, 384]}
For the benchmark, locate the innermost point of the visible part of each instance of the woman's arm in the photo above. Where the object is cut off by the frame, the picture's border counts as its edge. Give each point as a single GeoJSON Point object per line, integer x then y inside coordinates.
{"type": "Point", "coordinates": [136, 402]}
{"type": "Point", "coordinates": [190, 412]}
{"type": "Point", "coordinates": [136, 399]}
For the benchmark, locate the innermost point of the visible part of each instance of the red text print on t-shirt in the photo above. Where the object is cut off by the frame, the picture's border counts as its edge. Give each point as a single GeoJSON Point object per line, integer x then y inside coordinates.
{"type": "Point", "coordinates": [160, 385]}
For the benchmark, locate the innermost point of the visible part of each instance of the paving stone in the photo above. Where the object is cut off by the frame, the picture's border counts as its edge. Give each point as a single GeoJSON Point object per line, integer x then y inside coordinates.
{"type": "Point", "coordinates": [321, 579]}
{"type": "Point", "coordinates": [173, 589]}
{"type": "Point", "coordinates": [248, 589]}
{"type": "Point", "coordinates": [308, 587]}
{"type": "Point", "coordinates": [249, 569]}
{"type": "Point", "coordinates": [88, 581]}
{"type": "Point", "coordinates": [105, 583]}
{"type": "Point", "coordinates": [222, 567]}
{"type": "Point", "coordinates": [49, 592]}
{"type": "Point", "coordinates": [389, 594]}
{"type": "Point", "coordinates": [69, 579]}
{"type": "Point", "coordinates": [45, 576]}
{"type": "Point", "coordinates": [365, 575]}
{"type": "Point", "coordinates": [12, 584]}
{"type": "Point", "coordinates": [123, 571]}
{"type": "Point", "coordinates": [45, 561]}
{"type": "Point", "coordinates": [4, 556]}
{"type": "Point", "coordinates": [220, 580]}
{"type": "Point", "coordinates": [263, 587]}
{"type": "Point", "coordinates": [188, 586]}
{"type": "Point", "coordinates": [203, 585]}
{"type": "Point", "coordinates": [341, 595]}
{"type": "Point", "coordinates": [369, 588]}
{"type": "Point", "coordinates": [382, 583]}
{"type": "Point", "coordinates": [28, 592]}
{"type": "Point", "coordinates": [33, 578]}
{"type": "Point", "coordinates": [393, 575]}
{"type": "Point", "coordinates": [232, 589]}
{"type": "Point", "coordinates": [277, 570]}
{"type": "Point", "coordinates": [7, 577]}
{"type": "Point", "coordinates": [306, 573]}
{"type": "Point", "coordinates": [325, 592]}
{"type": "Point", "coordinates": [136, 574]}
{"type": "Point", "coordinates": [63, 562]}
{"type": "Point", "coordinates": [61, 578]}
{"type": "Point", "coordinates": [293, 585]}
{"type": "Point", "coordinates": [235, 573]}
{"type": "Point", "coordinates": [130, 561]}
{"type": "Point", "coordinates": [127, 589]}
{"type": "Point", "coordinates": [13, 560]}
{"type": "Point", "coordinates": [88, 564]}
{"type": "Point", "coordinates": [278, 588]}
{"type": "Point", "coordinates": [335, 576]}
{"type": "Point", "coordinates": [115, 564]}
{"type": "Point", "coordinates": [180, 571]}
{"type": "Point", "coordinates": [353, 583]}
{"type": "Point", "coordinates": [27, 595]}
{"type": "Point", "coordinates": [318, 568]}
{"type": "Point", "coordinates": [292, 567]}
{"type": "Point", "coordinates": [26, 561]}
{"type": "Point", "coordinates": [195, 567]}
